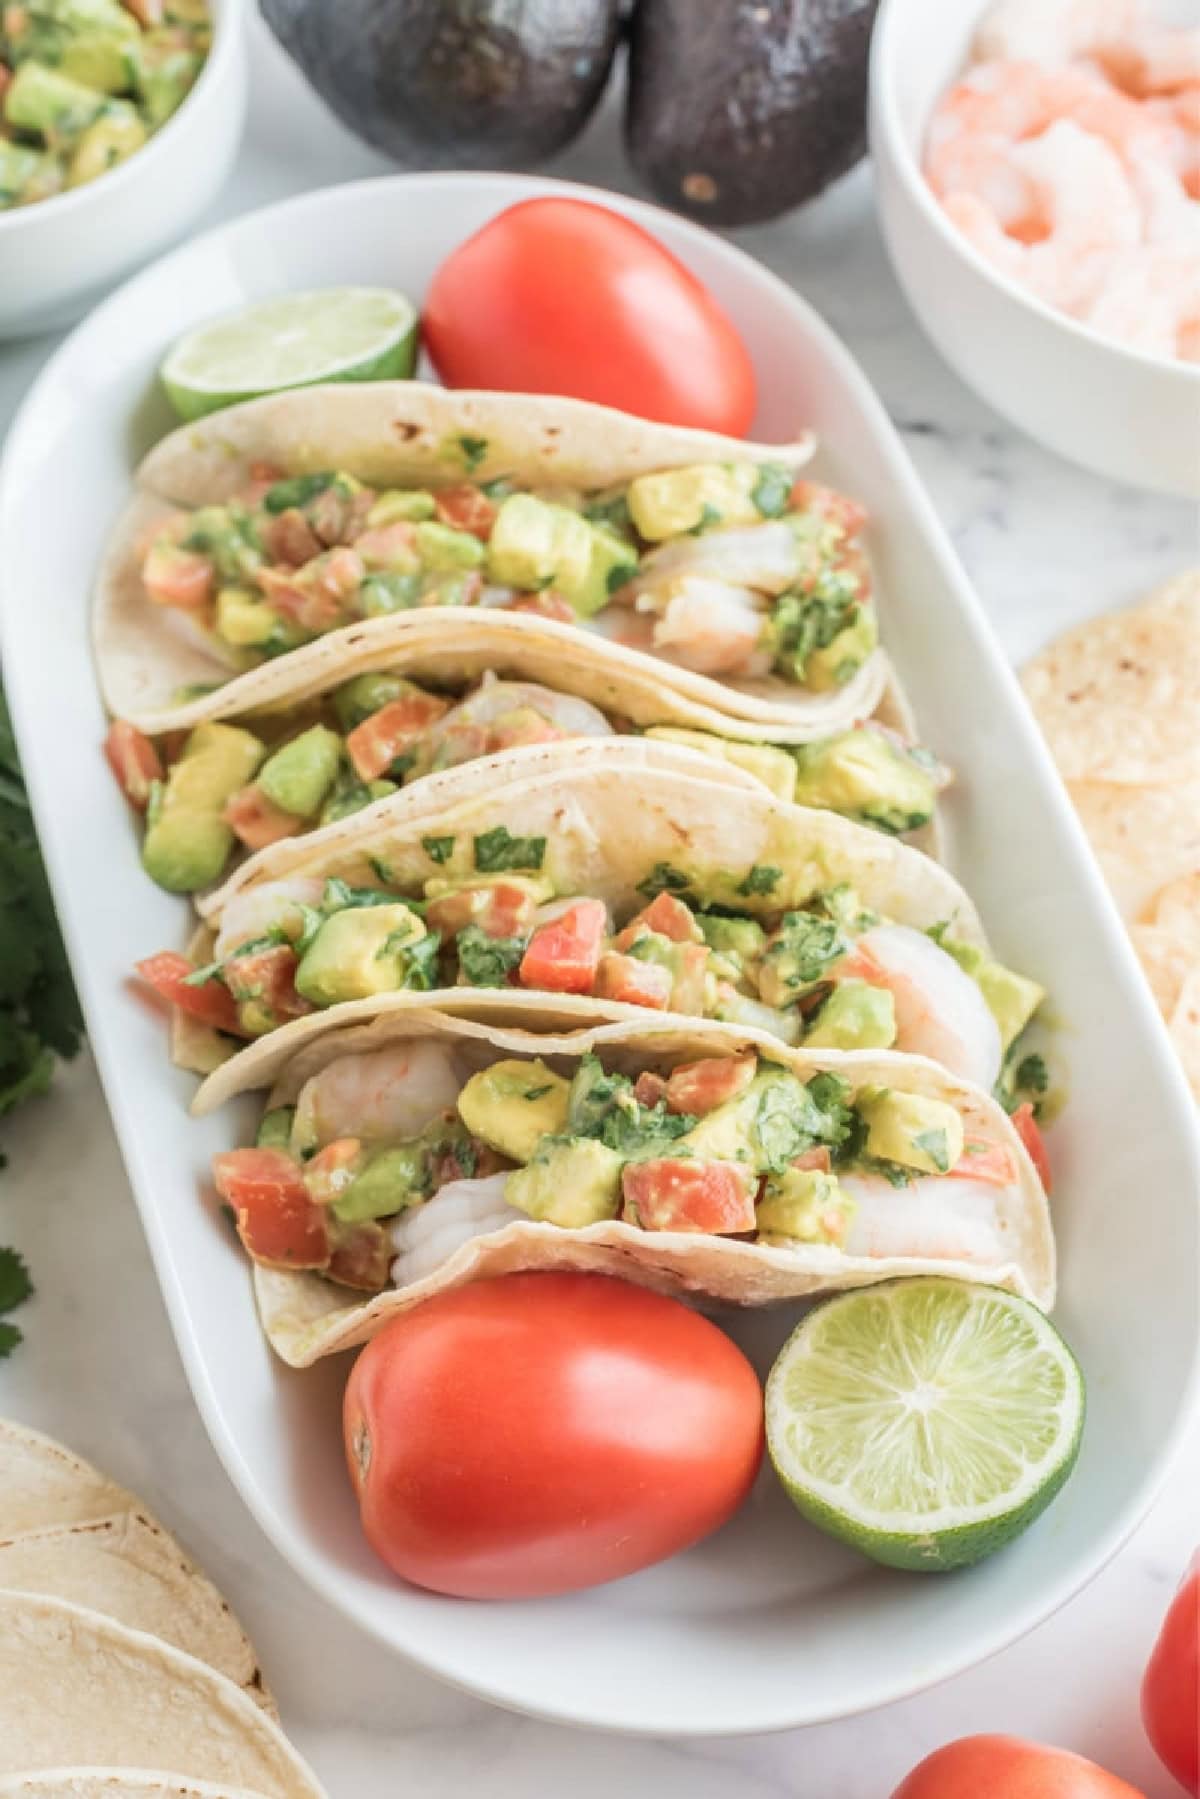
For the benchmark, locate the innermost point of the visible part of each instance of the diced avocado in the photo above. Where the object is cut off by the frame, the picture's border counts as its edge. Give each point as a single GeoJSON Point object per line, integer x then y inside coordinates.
{"type": "Point", "coordinates": [536, 544]}
{"type": "Point", "coordinates": [358, 953]}
{"type": "Point", "coordinates": [909, 1128]}
{"type": "Point", "coordinates": [537, 887]}
{"type": "Point", "coordinates": [99, 60]}
{"type": "Point", "coordinates": [187, 842]}
{"type": "Point", "coordinates": [691, 499]}
{"type": "Point", "coordinates": [21, 169]}
{"type": "Point", "coordinates": [366, 694]}
{"type": "Point", "coordinates": [514, 1103]}
{"type": "Point", "coordinates": [395, 504]}
{"type": "Point", "coordinates": [275, 1131]}
{"type": "Point", "coordinates": [351, 798]}
{"type": "Point", "coordinates": [612, 562]}
{"type": "Point", "coordinates": [163, 74]}
{"type": "Point", "coordinates": [571, 1181]}
{"type": "Point", "coordinates": [741, 937]}
{"type": "Point", "coordinates": [40, 99]}
{"type": "Point", "coordinates": [726, 1133]}
{"type": "Point", "coordinates": [243, 620]}
{"type": "Point", "coordinates": [863, 774]}
{"type": "Point", "coordinates": [805, 1205]}
{"type": "Point", "coordinates": [441, 546]}
{"type": "Point", "coordinates": [392, 1180]}
{"type": "Point", "coordinates": [773, 767]}
{"type": "Point", "coordinates": [298, 777]}
{"type": "Point", "coordinates": [855, 1016]}
{"type": "Point", "coordinates": [1012, 998]}
{"type": "Point", "coordinates": [834, 665]}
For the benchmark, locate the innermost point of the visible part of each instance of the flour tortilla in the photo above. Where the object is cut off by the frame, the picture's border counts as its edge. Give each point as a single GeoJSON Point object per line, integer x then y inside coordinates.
{"type": "Point", "coordinates": [105, 1783]}
{"type": "Point", "coordinates": [605, 833]}
{"type": "Point", "coordinates": [68, 1531]}
{"type": "Point", "coordinates": [306, 1317]}
{"type": "Point", "coordinates": [78, 1689]}
{"type": "Point", "coordinates": [391, 433]}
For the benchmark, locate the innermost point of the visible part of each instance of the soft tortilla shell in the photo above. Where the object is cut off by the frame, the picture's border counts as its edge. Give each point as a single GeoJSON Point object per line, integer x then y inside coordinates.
{"type": "Point", "coordinates": [76, 1688]}
{"type": "Point", "coordinates": [306, 1317]}
{"type": "Point", "coordinates": [42, 1484]}
{"type": "Point", "coordinates": [104, 1783]}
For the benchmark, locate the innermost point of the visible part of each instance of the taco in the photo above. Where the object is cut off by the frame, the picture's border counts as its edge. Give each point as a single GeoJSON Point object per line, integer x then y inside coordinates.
{"type": "Point", "coordinates": [345, 722]}
{"type": "Point", "coordinates": [415, 1152]}
{"type": "Point", "coordinates": [330, 510]}
{"type": "Point", "coordinates": [591, 891]}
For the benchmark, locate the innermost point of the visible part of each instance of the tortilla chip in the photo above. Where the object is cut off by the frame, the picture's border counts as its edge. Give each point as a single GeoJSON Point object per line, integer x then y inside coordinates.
{"type": "Point", "coordinates": [1144, 838]}
{"type": "Point", "coordinates": [1184, 1027]}
{"type": "Point", "coordinates": [1166, 963]}
{"type": "Point", "coordinates": [1119, 697]}
{"type": "Point", "coordinates": [1176, 910]}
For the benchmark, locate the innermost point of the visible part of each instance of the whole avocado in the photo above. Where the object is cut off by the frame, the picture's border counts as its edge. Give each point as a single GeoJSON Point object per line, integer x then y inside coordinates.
{"type": "Point", "coordinates": [737, 112]}
{"type": "Point", "coordinates": [454, 83]}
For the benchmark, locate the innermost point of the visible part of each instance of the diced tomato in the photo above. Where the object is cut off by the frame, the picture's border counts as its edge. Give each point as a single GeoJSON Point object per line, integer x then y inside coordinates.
{"type": "Point", "coordinates": [338, 517]}
{"type": "Point", "coordinates": [1026, 1127]}
{"type": "Point", "coordinates": [524, 724]}
{"type": "Point", "coordinates": [467, 508]}
{"type": "Point", "coordinates": [374, 745]}
{"type": "Point", "coordinates": [668, 917]}
{"type": "Point", "coordinates": [546, 604]}
{"type": "Point", "coordinates": [563, 955]}
{"type": "Point", "coordinates": [632, 981]}
{"type": "Point", "coordinates": [817, 1157]}
{"type": "Point", "coordinates": [148, 13]}
{"type": "Point", "coordinates": [178, 577]}
{"type": "Point", "coordinates": [331, 1170]}
{"type": "Point", "coordinates": [211, 1002]}
{"type": "Point", "coordinates": [699, 1087]}
{"type": "Point", "coordinates": [134, 760]}
{"type": "Point", "coordinates": [287, 592]}
{"type": "Point", "coordinates": [393, 547]}
{"type": "Point", "coordinates": [267, 976]}
{"type": "Point", "coordinates": [982, 1160]}
{"type": "Point", "coordinates": [838, 508]}
{"type": "Point", "coordinates": [276, 1220]}
{"type": "Point", "coordinates": [362, 1256]}
{"type": "Point", "coordinates": [690, 990]}
{"type": "Point", "coordinates": [290, 539]}
{"type": "Point", "coordinates": [257, 821]}
{"type": "Point", "coordinates": [502, 910]}
{"type": "Point", "coordinates": [679, 1195]}
{"type": "Point", "coordinates": [649, 1088]}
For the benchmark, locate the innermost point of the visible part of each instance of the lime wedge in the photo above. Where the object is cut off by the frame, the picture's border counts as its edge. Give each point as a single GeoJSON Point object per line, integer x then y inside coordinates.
{"type": "Point", "coordinates": [926, 1422]}
{"type": "Point", "coordinates": [333, 334]}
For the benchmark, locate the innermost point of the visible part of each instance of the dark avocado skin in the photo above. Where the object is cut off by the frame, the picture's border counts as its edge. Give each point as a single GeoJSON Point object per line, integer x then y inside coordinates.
{"type": "Point", "coordinates": [740, 109]}
{"type": "Point", "coordinates": [454, 83]}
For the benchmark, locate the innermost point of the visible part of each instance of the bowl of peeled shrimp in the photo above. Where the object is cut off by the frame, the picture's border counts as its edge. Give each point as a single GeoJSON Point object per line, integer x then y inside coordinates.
{"type": "Point", "coordinates": [1038, 170]}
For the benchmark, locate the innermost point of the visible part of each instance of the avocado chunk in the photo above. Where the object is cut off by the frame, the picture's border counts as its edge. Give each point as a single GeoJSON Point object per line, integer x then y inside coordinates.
{"type": "Point", "coordinates": [773, 767]}
{"type": "Point", "coordinates": [358, 699]}
{"type": "Point", "coordinates": [397, 503]}
{"type": "Point", "coordinates": [834, 665]}
{"type": "Point", "coordinates": [57, 108]}
{"type": "Point", "coordinates": [245, 621]}
{"type": "Point", "coordinates": [855, 1016]}
{"type": "Point", "coordinates": [864, 775]}
{"type": "Point", "coordinates": [362, 951]}
{"type": "Point", "coordinates": [693, 499]}
{"type": "Point", "coordinates": [513, 1104]}
{"type": "Point", "coordinates": [536, 544]}
{"type": "Point", "coordinates": [740, 937]}
{"type": "Point", "coordinates": [442, 547]}
{"type": "Point", "coordinates": [99, 59]}
{"type": "Point", "coordinates": [805, 1205]}
{"type": "Point", "coordinates": [571, 1181]}
{"type": "Point", "coordinates": [275, 1131]}
{"type": "Point", "coordinates": [116, 134]}
{"type": "Point", "coordinates": [187, 841]}
{"type": "Point", "coordinates": [298, 777]}
{"type": "Point", "coordinates": [392, 1180]}
{"type": "Point", "coordinates": [923, 1134]}
{"type": "Point", "coordinates": [612, 562]}
{"type": "Point", "coordinates": [1012, 998]}
{"type": "Point", "coordinates": [728, 1132]}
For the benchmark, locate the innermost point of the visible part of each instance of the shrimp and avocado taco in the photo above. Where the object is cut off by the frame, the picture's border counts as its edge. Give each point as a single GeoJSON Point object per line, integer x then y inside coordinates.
{"type": "Point", "coordinates": [601, 887]}
{"type": "Point", "coordinates": [330, 510]}
{"type": "Point", "coordinates": [412, 1153]}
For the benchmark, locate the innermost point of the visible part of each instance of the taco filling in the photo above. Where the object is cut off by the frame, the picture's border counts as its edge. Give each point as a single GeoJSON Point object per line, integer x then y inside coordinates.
{"type": "Point", "coordinates": [732, 569]}
{"type": "Point", "coordinates": [391, 1159]}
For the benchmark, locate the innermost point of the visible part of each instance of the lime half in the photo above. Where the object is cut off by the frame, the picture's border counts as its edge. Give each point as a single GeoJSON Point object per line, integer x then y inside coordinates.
{"type": "Point", "coordinates": [333, 334]}
{"type": "Point", "coordinates": [927, 1421]}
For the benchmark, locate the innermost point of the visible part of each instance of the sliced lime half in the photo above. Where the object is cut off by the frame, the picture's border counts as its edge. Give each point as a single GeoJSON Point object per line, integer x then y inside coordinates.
{"type": "Point", "coordinates": [332, 334]}
{"type": "Point", "coordinates": [926, 1421]}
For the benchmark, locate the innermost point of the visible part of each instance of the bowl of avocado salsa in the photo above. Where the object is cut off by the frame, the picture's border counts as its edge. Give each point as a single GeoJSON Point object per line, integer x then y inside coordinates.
{"type": "Point", "coordinates": [85, 83]}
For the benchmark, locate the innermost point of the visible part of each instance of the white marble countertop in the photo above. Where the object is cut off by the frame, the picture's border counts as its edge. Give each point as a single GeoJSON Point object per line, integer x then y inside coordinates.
{"type": "Point", "coordinates": [1046, 544]}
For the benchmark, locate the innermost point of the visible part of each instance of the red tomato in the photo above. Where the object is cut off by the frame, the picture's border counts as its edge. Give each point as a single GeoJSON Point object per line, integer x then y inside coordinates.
{"type": "Point", "coordinates": [994, 1767]}
{"type": "Point", "coordinates": [466, 508]}
{"type": "Point", "coordinates": [276, 1220]}
{"type": "Point", "coordinates": [374, 745]}
{"type": "Point", "coordinates": [134, 760]}
{"type": "Point", "coordinates": [667, 917]}
{"type": "Point", "coordinates": [211, 1002]}
{"type": "Point", "coordinates": [544, 1432]}
{"type": "Point", "coordinates": [827, 503]}
{"type": "Point", "coordinates": [982, 1160]}
{"type": "Point", "coordinates": [257, 821]}
{"type": "Point", "coordinates": [565, 297]}
{"type": "Point", "coordinates": [267, 976]}
{"type": "Point", "coordinates": [677, 1195]}
{"type": "Point", "coordinates": [361, 1256]}
{"type": "Point", "coordinates": [563, 954]}
{"type": "Point", "coordinates": [700, 1087]}
{"type": "Point", "coordinates": [177, 577]}
{"type": "Point", "coordinates": [632, 982]}
{"type": "Point", "coordinates": [1171, 1687]}
{"type": "Point", "coordinates": [328, 1174]}
{"type": "Point", "coordinates": [502, 909]}
{"type": "Point", "coordinates": [1026, 1127]}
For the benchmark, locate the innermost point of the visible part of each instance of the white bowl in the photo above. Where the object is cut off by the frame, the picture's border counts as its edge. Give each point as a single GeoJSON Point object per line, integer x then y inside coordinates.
{"type": "Point", "coordinates": [58, 256]}
{"type": "Point", "coordinates": [768, 1624]}
{"type": "Point", "coordinates": [1119, 412]}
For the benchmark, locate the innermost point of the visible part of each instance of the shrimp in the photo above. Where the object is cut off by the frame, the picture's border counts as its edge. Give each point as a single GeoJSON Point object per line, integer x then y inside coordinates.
{"type": "Point", "coordinates": [1152, 60]}
{"type": "Point", "coordinates": [426, 1236]}
{"type": "Point", "coordinates": [468, 729]}
{"type": "Point", "coordinates": [711, 627]}
{"type": "Point", "coordinates": [765, 557]}
{"type": "Point", "coordinates": [940, 1010]}
{"type": "Point", "coordinates": [939, 1217]}
{"type": "Point", "coordinates": [275, 905]}
{"type": "Point", "coordinates": [1052, 30]}
{"type": "Point", "coordinates": [379, 1095]}
{"type": "Point", "coordinates": [1152, 302]}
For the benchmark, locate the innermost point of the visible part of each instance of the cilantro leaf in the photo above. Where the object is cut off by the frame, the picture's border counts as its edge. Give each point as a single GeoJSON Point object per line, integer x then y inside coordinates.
{"type": "Point", "coordinates": [10, 1336]}
{"type": "Point", "coordinates": [485, 961]}
{"type": "Point", "coordinates": [498, 849]}
{"type": "Point", "coordinates": [15, 1284]}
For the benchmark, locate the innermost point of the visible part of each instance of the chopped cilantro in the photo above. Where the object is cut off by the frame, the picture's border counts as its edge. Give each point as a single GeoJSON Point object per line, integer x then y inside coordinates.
{"type": "Point", "coordinates": [664, 878]}
{"type": "Point", "coordinates": [498, 849]}
{"type": "Point", "coordinates": [418, 961]}
{"type": "Point", "coordinates": [618, 575]}
{"type": "Point", "coordinates": [773, 488]}
{"type": "Point", "coordinates": [804, 949]}
{"type": "Point", "coordinates": [380, 869]}
{"type": "Point", "coordinates": [474, 449]}
{"type": "Point", "coordinates": [603, 1105]}
{"type": "Point", "coordinates": [762, 878]}
{"type": "Point", "coordinates": [485, 961]}
{"type": "Point", "coordinates": [297, 491]}
{"type": "Point", "coordinates": [339, 896]}
{"type": "Point", "coordinates": [15, 1289]}
{"type": "Point", "coordinates": [1032, 1074]}
{"type": "Point", "coordinates": [794, 1116]}
{"type": "Point", "coordinates": [438, 849]}
{"type": "Point", "coordinates": [532, 1093]}
{"type": "Point", "coordinates": [613, 512]}
{"type": "Point", "coordinates": [803, 622]}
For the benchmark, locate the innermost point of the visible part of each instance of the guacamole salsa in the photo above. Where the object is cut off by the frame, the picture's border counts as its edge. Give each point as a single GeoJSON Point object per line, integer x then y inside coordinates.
{"type": "Point", "coordinates": [84, 83]}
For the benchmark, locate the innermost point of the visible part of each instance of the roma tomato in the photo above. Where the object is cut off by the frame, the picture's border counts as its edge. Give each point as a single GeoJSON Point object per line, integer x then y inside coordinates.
{"type": "Point", "coordinates": [1027, 1129]}
{"type": "Point", "coordinates": [989, 1767]}
{"type": "Point", "coordinates": [544, 1432]}
{"type": "Point", "coordinates": [565, 297]}
{"type": "Point", "coordinates": [1171, 1687]}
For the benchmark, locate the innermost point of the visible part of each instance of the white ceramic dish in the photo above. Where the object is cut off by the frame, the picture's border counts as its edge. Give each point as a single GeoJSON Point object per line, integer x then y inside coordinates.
{"type": "Point", "coordinates": [768, 1624]}
{"type": "Point", "coordinates": [1133, 417]}
{"type": "Point", "coordinates": [57, 256]}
